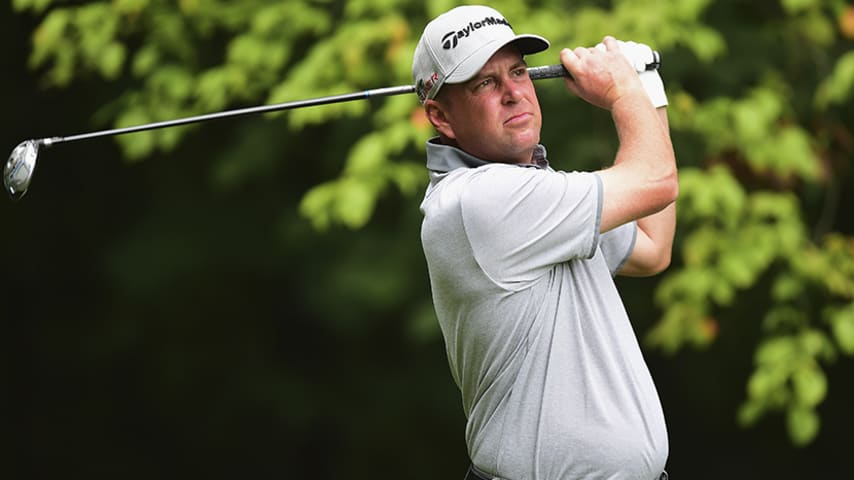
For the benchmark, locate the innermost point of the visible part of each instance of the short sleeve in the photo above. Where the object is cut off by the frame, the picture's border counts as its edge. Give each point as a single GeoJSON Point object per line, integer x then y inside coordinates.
{"type": "Point", "coordinates": [617, 245]}
{"type": "Point", "coordinates": [520, 222]}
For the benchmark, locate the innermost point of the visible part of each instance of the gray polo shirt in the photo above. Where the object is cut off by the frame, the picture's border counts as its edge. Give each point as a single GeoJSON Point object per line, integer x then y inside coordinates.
{"type": "Point", "coordinates": [553, 382]}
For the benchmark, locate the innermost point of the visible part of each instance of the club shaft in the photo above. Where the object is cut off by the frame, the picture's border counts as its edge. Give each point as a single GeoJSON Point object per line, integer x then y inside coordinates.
{"type": "Point", "coordinates": [536, 73]}
{"type": "Point", "coordinates": [347, 97]}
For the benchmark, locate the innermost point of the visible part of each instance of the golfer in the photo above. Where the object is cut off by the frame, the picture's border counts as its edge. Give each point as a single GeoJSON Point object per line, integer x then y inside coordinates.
{"type": "Point", "coordinates": [521, 257]}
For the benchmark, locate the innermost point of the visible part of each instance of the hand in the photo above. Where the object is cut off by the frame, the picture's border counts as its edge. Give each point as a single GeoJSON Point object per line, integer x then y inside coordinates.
{"type": "Point", "coordinates": [639, 55]}
{"type": "Point", "coordinates": [601, 76]}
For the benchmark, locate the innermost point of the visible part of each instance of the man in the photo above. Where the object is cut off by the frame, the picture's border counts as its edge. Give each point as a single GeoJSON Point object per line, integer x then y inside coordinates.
{"type": "Point", "coordinates": [521, 257]}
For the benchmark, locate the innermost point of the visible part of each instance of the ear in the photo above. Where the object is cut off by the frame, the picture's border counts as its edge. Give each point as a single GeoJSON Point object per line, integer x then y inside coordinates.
{"type": "Point", "coordinates": [437, 113]}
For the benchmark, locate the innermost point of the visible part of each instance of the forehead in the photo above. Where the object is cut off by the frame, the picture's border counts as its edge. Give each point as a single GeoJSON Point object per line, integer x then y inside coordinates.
{"type": "Point", "coordinates": [509, 54]}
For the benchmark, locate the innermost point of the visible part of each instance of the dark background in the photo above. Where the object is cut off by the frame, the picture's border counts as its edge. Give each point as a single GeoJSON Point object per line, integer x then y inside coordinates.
{"type": "Point", "coordinates": [158, 326]}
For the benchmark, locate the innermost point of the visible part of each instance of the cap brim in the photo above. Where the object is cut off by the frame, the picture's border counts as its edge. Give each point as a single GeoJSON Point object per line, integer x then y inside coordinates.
{"type": "Point", "coordinates": [527, 44]}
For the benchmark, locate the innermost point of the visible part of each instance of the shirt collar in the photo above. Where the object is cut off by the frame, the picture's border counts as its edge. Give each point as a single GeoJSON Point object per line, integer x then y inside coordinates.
{"type": "Point", "coordinates": [443, 158]}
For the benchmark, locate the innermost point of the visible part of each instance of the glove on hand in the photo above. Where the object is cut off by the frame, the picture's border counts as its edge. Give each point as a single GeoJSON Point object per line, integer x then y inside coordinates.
{"type": "Point", "coordinates": [639, 55]}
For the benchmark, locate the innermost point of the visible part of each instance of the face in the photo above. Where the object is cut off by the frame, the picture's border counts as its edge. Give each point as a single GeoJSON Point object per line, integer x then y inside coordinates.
{"type": "Point", "coordinates": [495, 115]}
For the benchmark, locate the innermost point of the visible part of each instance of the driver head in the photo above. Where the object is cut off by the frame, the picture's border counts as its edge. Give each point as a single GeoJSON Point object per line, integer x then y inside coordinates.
{"type": "Point", "coordinates": [19, 169]}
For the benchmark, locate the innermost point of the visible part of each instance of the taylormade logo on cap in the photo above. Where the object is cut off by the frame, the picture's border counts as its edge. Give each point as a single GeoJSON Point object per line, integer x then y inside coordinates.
{"type": "Point", "coordinates": [458, 43]}
{"type": "Point", "coordinates": [451, 39]}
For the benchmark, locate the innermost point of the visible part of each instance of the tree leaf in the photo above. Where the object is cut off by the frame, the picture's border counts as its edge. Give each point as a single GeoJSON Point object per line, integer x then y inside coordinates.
{"type": "Point", "coordinates": [810, 385]}
{"type": "Point", "coordinates": [803, 425]}
{"type": "Point", "coordinates": [842, 323]}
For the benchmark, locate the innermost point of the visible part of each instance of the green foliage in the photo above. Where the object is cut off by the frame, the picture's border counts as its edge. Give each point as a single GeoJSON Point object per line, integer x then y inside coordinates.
{"type": "Point", "coordinates": [788, 377]}
{"type": "Point", "coordinates": [842, 323]}
{"type": "Point", "coordinates": [838, 86]}
{"type": "Point", "coordinates": [760, 108]}
{"type": "Point", "coordinates": [742, 235]}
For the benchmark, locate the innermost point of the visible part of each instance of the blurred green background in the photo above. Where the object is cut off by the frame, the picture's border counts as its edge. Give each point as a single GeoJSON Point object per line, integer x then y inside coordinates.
{"type": "Point", "coordinates": [248, 298]}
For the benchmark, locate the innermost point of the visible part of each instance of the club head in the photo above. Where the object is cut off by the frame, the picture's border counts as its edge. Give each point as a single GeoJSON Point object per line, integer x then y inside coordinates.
{"type": "Point", "coordinates": [19, 168]}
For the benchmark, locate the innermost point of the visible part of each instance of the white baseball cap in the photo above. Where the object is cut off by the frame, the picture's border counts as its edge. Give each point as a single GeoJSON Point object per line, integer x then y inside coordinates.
{"type": "Point", "coordinates": [458, 43]}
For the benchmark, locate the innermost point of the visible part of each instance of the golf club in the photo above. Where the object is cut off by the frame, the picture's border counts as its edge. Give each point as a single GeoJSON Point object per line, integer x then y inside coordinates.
{"type": "Point", "coordinates": [18, 172]}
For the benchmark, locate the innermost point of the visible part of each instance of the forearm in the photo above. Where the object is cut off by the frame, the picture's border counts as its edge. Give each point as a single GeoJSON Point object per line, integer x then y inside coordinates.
{"type": "Point", "coordinates": [660, 226]}
{"type": "Point", "coordinates": [643, 179]}
{"type": "Point", "coordinates": [644, 139]}
{"type": "Point", "coordinates": [654, 243]}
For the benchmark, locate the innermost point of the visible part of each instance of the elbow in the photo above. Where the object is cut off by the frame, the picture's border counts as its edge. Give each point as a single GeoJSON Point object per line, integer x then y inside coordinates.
{"type": "Point", "coordinates": [663, 193]}
{"type": "Point", "coordinates": [642, 266]}
{"type": "Point", "coordinates": [668, 178]}
{"type": "Point", "coordinates": [671, 187]}
{"type": "Point", "coordinates": [651, 267]}
{"type": "Point", "coordinates": [662, 264]}
{"type": "Point", "coordinates": [668, 185]}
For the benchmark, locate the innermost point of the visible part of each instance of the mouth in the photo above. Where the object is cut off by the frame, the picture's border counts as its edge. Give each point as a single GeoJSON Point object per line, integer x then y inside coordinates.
{"type": "Point", "coordinates": [520, 118]}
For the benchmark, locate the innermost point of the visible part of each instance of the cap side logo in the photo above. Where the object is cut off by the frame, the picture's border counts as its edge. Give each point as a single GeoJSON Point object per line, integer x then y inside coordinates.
{"type": "Point", "coordinates": [422, 88]}
{"type": "Point", "coordinates": [452, 39]}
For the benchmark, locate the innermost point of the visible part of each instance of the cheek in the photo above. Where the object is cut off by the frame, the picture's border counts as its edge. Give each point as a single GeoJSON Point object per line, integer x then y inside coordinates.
{"type": "Point", "coordinates": [532, 96]}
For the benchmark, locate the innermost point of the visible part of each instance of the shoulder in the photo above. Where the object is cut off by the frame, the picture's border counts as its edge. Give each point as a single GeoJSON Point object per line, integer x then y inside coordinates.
{"type": "Point", "coordinates": [502, 185]}
{"type": "Point", "coordinates": [475, 183]}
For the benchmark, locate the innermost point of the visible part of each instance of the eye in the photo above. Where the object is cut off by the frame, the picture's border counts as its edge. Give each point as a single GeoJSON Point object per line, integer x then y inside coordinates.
{"type": "Point", "coordinates": [484, 84]}
{"type": "Point", "coordinates": [520, 72]}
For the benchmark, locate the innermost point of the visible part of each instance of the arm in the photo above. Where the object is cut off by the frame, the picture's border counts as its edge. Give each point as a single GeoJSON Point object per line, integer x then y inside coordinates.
{"type": "Point", "coordinates": [654, 241]}
{"type": "Point", "coordinates": [642, 183]}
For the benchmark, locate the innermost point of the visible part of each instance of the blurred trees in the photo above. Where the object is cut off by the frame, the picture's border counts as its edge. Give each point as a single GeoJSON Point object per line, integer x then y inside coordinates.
{"type": "Point", "coordinates": [761, 113]}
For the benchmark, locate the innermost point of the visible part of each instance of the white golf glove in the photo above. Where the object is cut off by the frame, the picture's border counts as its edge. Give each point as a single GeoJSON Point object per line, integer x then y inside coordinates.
{"type": "Point", "coordinates": [639, 55]}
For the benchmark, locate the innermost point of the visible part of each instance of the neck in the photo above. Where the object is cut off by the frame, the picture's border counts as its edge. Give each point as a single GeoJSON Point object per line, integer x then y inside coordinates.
{"type": "Point", "coordinates": [525, 158]}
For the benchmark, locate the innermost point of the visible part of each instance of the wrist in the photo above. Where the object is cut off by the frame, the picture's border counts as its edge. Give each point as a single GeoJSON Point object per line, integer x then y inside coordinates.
{"type": "Point", "coordinates": [654, 87]}
{"type": "Point", "coordinates": [631, 102]}
{"type": "Point", "coordinates": [629, 92]}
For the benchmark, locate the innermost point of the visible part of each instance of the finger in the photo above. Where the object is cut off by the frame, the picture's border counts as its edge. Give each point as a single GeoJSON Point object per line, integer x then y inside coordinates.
{"type": "Point", "coordinates": [638, 54]}
{"type": "Point", "coordinates": [581, 52]}
{"type": "Point", "coordinates": [571, 61]}
{"type": "Point", "coordinates": [611, 44]}
{"type": "Point", "coordinates": [643, 53]}
{"type": "Point", "coordinates": [574, 60]}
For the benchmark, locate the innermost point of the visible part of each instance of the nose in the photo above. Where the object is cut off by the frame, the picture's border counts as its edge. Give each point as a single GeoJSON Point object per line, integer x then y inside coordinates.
{"type": "Point", "coordinates": [513, 91]}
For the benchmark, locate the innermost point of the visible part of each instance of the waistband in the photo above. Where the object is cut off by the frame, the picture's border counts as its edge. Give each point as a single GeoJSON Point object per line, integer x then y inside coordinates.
{"type": "Point", "coordinates": [474, 474]}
